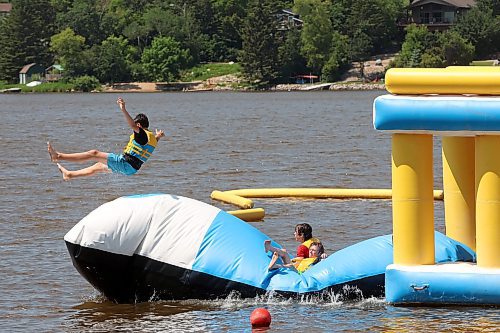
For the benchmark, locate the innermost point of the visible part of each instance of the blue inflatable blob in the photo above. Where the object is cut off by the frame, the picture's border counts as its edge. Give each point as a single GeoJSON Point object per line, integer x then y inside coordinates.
{"type": "Point", "coordinates": [161, 246]}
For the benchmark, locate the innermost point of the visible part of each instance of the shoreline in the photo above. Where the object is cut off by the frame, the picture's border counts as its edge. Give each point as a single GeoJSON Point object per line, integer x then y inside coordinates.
{"type": "Point", "coordinates": [160, 87]}
{"type": "Point", "coordinates": [152, 87]}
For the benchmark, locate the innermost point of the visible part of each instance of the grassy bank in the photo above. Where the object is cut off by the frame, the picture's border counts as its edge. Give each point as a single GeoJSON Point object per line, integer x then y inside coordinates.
{"type": "Point", "coordinates": [44, 87]}
{"type": "Point", "coordinates": [206, 71]}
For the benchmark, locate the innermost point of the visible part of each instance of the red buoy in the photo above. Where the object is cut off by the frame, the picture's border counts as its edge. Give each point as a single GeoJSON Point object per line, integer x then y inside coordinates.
{"type": "Point", "coordinates": [260, 317]}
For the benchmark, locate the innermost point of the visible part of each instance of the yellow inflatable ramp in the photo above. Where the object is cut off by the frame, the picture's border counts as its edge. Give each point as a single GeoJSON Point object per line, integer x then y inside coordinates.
{"type": "Point", "coordinates": [455, 80]}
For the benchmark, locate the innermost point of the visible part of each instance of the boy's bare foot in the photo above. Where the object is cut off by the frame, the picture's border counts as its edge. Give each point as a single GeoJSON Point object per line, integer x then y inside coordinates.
{"type": "Point", "coordinates": [54, 155]}
{"type": "Point", "coordinates": [267, 245]}
{"type": "Point", "coordinates": [65, 173]}
{"type": "Point", "coordinates": [273, 261]}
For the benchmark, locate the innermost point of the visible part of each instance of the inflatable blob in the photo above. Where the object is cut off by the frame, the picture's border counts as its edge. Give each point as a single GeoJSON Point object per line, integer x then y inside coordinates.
{"type": "Point", "coordinates": [161, 246]}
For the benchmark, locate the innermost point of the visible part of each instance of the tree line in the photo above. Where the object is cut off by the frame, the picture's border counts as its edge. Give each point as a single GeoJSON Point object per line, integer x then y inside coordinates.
{"type": "Point", "coordinates": [153, 40]}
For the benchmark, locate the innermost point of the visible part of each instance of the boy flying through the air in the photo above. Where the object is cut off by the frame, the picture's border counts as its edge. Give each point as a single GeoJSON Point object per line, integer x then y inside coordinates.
{"type": "Point", "coordinates": [139, 148]}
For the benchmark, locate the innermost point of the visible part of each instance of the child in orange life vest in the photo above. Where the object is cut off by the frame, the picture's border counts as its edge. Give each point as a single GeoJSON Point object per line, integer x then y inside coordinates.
{"type": "Point", "coordinates": [315, 251]}
{"type": "Point", "coordinates": [139, 148]}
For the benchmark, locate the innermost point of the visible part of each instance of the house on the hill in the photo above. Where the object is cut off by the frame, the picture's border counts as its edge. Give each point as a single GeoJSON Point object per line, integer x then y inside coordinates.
{"type": "Point", "coordinates": [53, 73]}
{"type": "Point", "coordinates": [288, 20]}
{"type": "Point", "coordinates": [31, 72]}
{"type": "Point", "coordinates": [5, 9]}
{"type": "Point", "coordinates": [436, 14]}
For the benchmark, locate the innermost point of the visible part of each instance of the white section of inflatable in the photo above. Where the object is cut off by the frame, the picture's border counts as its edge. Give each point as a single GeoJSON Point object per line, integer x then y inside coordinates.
{"type": "Point", "coordinates": [184, 223]}
{"type": "Point", "coordinates": [114, 227]}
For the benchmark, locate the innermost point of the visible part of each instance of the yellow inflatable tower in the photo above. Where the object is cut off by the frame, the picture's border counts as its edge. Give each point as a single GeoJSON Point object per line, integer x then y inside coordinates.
{"type": "Point", "coordinates": [467, 117]}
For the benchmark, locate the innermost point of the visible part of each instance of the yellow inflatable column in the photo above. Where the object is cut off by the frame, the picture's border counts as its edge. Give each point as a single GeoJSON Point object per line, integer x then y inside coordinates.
{"type": "Point", "coordinates": [460, 189]}
{"type": "Point", "coordinates": [412, 199]}
{"type": "Point", "coordinates": [488, 201]}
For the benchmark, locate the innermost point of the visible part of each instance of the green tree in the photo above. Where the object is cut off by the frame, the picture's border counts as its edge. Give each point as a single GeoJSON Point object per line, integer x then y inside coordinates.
{"type": "Point", "coordinates": [450, 49]}
{"type": "Point", "coordinates": [372, 23]}
{"type": "Point", "coordinates": [338, 61]}
{"type": "Point", "coordinates": [455, 49]}
{"type": "Point", "coordinates": [417, 40]}
{"type": "Point", "coordinates": [290, 59]}
{"type": "Point", "coordinates": [359, 49]}
{"type": "Point", "coordinates": [113, 60]}
{"type": "Point", "coordinates": [316, 33]}
{"type": "Point", "coordinates": [480, 28]}
{"type": "Point", "coordinates": [228, 16]}
{"type": "Point", "coordinates": [164, 60]}
{"type": "Point", "coordinates": [84, 19]}
{"type": "Point", "coordinates": [493, 5]}
{"type": "Point", "coordinates": [24, 41]}
{"type": "Point", "coordinates": [374, 18]}
{"type": "Point", "coordinates": [259, 56]}
{"type": "Point", "coordinates": [69, 50]}
{"type": "Point", "coordinates": [179, 23]}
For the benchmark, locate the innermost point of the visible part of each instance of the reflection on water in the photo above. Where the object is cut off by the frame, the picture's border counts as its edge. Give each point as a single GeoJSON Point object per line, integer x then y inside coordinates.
{"type": "Point", "coordinates": [317, 314]}
{"type": "Point", "coordinates": [458, 319]}
{"type": "Point", "coordinates": [214, 141]}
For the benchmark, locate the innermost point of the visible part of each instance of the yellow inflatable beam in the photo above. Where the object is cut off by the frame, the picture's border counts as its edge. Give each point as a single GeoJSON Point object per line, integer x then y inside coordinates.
{"type": "Point", "coordinates": [240, 197]}
{"type": "Point", "coordinates": [232, 199]}
{"type": "Point", "coordinates": [249, 215]}
{"type": "Point", "coordinates": [446, 81]}
{"type": "Point", "coordinates": [339, 193]}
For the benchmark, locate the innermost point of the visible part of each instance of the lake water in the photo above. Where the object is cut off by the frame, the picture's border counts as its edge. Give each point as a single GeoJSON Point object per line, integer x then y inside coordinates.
{"type": "Point", "coordinates": [214, 141]}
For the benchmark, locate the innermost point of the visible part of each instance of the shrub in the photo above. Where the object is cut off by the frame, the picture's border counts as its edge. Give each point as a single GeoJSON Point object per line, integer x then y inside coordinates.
{"type": "Point", "coordinates": [86, 83]}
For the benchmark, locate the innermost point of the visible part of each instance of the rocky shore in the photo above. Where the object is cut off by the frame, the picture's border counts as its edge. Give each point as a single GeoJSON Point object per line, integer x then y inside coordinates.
{"type": "Point", "coordinates": [373, 70]}
{"type": "Point", "coordinates": [338, 86]}
{"type": "Point", "coordinates": [200, 87]}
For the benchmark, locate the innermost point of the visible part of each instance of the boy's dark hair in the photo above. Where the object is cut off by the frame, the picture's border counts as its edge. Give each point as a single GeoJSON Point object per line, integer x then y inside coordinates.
{"type": "Point", "coordinates": [305, 230]}
{"type": "Point", "coordinates": [142, 119]}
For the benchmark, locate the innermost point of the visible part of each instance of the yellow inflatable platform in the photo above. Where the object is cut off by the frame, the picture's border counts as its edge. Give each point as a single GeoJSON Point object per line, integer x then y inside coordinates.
{"type": "Point", "coordinates": [453, 80]}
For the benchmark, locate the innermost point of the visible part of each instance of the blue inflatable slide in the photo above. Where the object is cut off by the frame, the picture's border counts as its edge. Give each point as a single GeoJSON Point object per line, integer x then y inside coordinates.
{"type": "Point", "coordinates": [161, 246]}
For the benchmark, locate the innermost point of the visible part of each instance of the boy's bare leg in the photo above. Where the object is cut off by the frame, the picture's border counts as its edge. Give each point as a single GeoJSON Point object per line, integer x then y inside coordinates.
{"type": "Point", "coordinates": [91, 155]}
{"type": "Point", "coordinates": [91, 170]}
{"type": "Point", "coordinates": [272, 263]}
{"type": "Point", "coordinates": [268, 247]}
{"type": "Point", "coordinates": [287, 262]}
{"type": "Point", "coordinates": [286, 258]}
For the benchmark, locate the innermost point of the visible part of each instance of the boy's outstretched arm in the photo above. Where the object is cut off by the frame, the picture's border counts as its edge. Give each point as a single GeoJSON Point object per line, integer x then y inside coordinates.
{"type": "Point", "coordinates": [159, 134]}
{"type": "Point", "coordinates": [130, 121]}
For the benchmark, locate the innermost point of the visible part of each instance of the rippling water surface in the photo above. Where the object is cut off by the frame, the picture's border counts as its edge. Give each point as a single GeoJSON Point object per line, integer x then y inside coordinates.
{"type": "Point", "coordinates": [214, 141]}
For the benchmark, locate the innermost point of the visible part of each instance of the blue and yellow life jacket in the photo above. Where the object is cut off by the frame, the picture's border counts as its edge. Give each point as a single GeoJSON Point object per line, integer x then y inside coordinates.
{"type": "Point", "coordinates": [142, 152]}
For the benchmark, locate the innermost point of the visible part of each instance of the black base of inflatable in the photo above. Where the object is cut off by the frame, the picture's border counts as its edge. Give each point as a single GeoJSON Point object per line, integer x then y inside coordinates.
{"type": "Point", "coordinates": [130, 279]}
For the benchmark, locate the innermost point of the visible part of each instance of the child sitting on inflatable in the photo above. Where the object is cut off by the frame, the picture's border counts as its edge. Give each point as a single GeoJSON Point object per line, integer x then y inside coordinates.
{"type": "Point", "coordinates": [141, 145]}
{"type": "Point", "coordinates": [303, 235]}
{"type": "Point", "coordinates": [299, 265]}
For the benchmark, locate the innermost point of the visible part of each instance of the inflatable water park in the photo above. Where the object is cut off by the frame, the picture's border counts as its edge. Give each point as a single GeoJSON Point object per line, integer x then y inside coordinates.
{"type": "Point", "coordinates": [163, 246]}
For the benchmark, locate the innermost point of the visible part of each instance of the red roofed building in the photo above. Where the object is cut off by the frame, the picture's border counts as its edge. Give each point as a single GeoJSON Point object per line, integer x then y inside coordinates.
{"type": "Point", "coordinates": [5, 9]}
{"type": "Point", "coordinates": [30, 73]}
